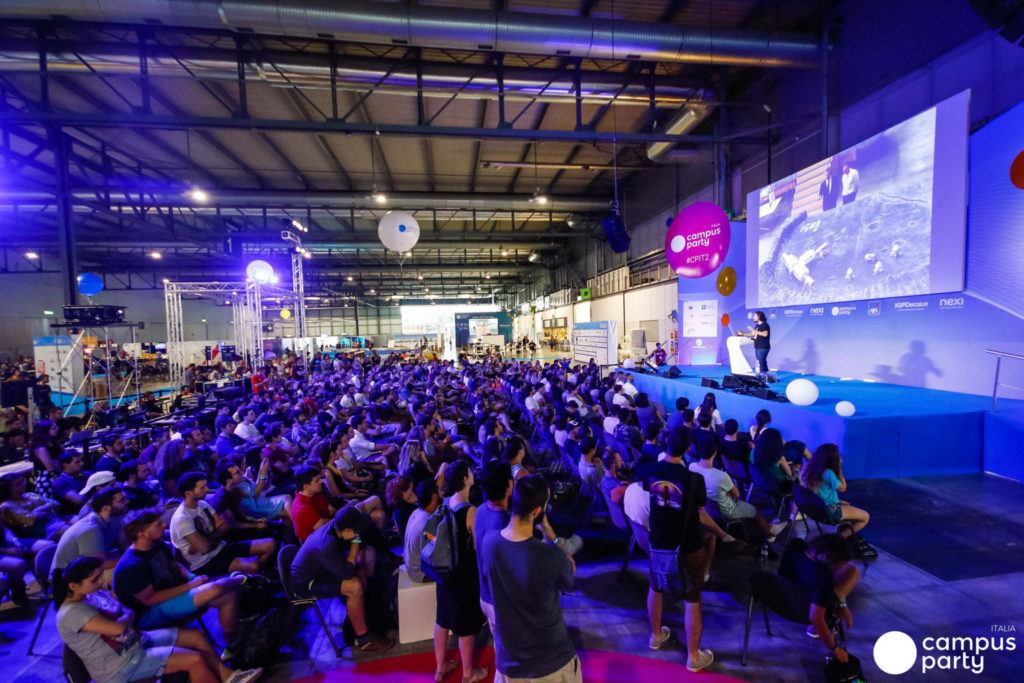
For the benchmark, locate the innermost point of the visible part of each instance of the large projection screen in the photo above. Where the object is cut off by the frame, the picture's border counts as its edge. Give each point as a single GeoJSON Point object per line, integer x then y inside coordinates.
{"type": "Point", "coordinates": [884, 218]}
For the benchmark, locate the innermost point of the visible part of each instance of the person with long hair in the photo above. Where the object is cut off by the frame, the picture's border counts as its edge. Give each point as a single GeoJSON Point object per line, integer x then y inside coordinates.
{"type": "Point", "coordinates": [101, 631]}
{"type": "Point", "coordinates": [29, 515]}
{"type": "Point", "coordinates": [709, 406]}
{"type": "Point", "coordinates": [824, 475]}
{"type": "Point", "coordinates": [458, 596]}
{"type": "Point", "coordinates": [44, 450]}
{"type": "Point", "coordinates": [769, 456]}
{"type": "Point", "coordinates": [761, 420]}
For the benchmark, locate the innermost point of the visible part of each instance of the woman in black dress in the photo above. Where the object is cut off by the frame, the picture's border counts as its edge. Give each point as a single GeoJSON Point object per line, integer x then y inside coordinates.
{"type": "Point", "coordinates": [458, 597]}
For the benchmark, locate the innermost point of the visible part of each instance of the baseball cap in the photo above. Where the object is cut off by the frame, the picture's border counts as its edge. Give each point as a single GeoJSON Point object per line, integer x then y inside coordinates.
{"type": "Point", "coordinates": [95, 480]}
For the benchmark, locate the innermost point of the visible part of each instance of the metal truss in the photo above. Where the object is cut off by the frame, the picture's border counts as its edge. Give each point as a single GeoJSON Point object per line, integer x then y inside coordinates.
{"type": "Point", "coordinates": [246, 306]}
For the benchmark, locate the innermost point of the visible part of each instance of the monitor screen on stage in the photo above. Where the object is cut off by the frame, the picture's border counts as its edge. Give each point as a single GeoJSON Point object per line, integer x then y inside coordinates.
{"type": "Point", "coordinates": [884, 218]}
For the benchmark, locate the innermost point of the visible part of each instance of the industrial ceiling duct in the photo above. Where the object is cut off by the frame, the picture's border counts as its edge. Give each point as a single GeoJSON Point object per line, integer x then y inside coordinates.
{"type": "Point", "coordinates": [456, 29]}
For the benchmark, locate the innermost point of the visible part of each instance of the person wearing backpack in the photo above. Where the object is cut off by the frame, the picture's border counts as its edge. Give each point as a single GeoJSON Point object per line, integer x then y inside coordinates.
{"type": "Point", "coordinates": [458, 590]}
{"type": "Point", "coordinates": [333, 563]}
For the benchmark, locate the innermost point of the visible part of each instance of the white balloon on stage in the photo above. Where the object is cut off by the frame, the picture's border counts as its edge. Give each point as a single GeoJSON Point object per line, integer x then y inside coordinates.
{"type": "Point", "coordinates": [802, 392]}
{"type": "Point", "coordinates": [845, 409]}
{"type": "Point", "coordinates": [398, 231]}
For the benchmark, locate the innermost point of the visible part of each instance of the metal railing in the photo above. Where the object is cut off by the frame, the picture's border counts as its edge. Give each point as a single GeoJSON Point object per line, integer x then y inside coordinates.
{"type": "Point", "coordinates": [1000, 355]}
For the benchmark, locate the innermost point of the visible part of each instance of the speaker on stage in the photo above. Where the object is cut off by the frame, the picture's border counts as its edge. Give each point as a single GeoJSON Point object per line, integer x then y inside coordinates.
{"type": "Point", "coordinates": [710, 383]}
{"type": "Point", "coordinates": [731, 382]}
{"type": "Point", "coordinates": [672, 371]}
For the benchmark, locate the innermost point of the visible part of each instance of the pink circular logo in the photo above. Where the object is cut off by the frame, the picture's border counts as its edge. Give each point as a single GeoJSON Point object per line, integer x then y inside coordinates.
{"type": "Point", "coordinates": [698, 239]}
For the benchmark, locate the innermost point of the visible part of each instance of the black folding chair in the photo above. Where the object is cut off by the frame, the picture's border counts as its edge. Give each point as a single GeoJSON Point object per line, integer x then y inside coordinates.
{"type": "Point", "coordinates": [41, 569]}
{"type": "Point", "coordinates": [284, 570]}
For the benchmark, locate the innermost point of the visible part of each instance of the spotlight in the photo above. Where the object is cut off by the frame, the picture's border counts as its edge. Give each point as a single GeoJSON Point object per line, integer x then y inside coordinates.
{"type": "Point", "coordinates": [31, 255]}
{"type": "Point", "coordinates": [487, 276]}
{"type": "Point", "coordinates": [155, 255]}
{"type": "Point", "coordinates": [408, 254]}
{"type": "Point", "coordinates": [373, 291]}
{"type": "Point", "coordinates": [307, 253]}
{"type": "Point", "coordinates": [166, 280]}
{"type": "Point", "coordinates": [274, 279]}
{"type": "Point", "coordinates": [419, 277]}
{"type": "Point", "coordinates": [299, 226]}
{"type": "Point", "coordinates": [504, 251]}
{"type": "Point", "coordinates": [260, 272]}
{"type": "Point", "coordinates": [532, 258]}
{"type": "Point", "coordinates": [198, 195]}
{"type": "Point", "coordinates": [378, 196]}
{"type": "Point", "coordinates": [539, 197]}
{"type": "Point", "coordinates": [427, 290]}
{"type": "Point", "coordinates": [349, 278]}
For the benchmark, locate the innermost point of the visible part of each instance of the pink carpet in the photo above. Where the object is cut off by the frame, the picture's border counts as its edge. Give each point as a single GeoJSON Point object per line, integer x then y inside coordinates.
{"type": "Point", "coordinates": [599, 666]}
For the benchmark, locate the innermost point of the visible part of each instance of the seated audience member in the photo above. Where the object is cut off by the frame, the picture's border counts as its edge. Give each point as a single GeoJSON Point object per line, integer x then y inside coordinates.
{"type": "Point", "coordinates": [101, 631]}
{"type": "Point", "coordinates": [514, 454]}
{"type": "Point", "coordinates": [366, 450]}
{"type": "Point", "coordinates": [526, 578]}
{"type": "Point", "coordinates": [824, 475]}
{"type": "Point", "coordinates": [735, 445]}
{"type": "Point", "coordinates": [96, 534]}
{"type": "Point", "coordinates": [611, 422]}
{"type": "Point", "coordinates": [723, 492]}
{"type": "Point", "coordinates": [400, 497]}
{"type": "Point", "coordinates": [67, 486]}
{"type": "Point", "coordinates": [677, 419]}
{"type": "Point", "coordinates": [677, 498]}
{"type": "Point", "coordinates": [246, 430]}
{"type": "Point", "coordinates": [704, 421]}
{"type": "Point", "coordinates": [761, 420]}
{"type": "Point", "coordinates": [769, 457]}
{"type": "Point", "coordinates": [619, 398]}
{"type": "Point", "coordinates": [651, 446]}
{"type": "Point", "coordinates": [823, 568]}
{"type": "Point", "coordinates": [709, 406]}
{"type": "Point", "coordinates": [491, 517]}
{"type": "Point", "coordinates": [427, 501]}
{"type": "Point", "coordinates": [590, 468]}
{"type": "Point", "coordinates": [197, 531]}
{"type": "Point", "coordinates": [111, 460]}
{"type": "Point", "coordinates": [333, 563]}
{"type": "Point", "coordinates": [28, 515]}
{"type": "Point", "coordinates": [134, 479]}
{"type": "Point", "coordinates": [15, 556]}
{"type": "Point", "coordinates": [311, 509]}
{"type": "Point", "coordinates": [161, 591]}
{"type": "Point", "coordinates": [646, 414]}
{"type": "Point", "coordinates": [612, 486]}
{"type": "Point", "coordinates": [227, 444]}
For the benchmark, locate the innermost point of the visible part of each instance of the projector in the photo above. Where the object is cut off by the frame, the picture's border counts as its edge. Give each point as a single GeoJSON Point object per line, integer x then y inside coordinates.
{"type": "Point", "coordinates": [94, 315]}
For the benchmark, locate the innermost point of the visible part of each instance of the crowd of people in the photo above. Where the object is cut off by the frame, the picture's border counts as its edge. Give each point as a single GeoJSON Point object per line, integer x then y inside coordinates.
{"type": "Point", "coordinates": [474, 475]}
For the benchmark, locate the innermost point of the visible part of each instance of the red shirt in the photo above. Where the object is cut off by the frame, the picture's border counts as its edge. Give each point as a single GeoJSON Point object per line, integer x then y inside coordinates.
{"type": "Point", "coordinates": [257, 382]}
{"type": "Point", "coordinates": [307, 512]}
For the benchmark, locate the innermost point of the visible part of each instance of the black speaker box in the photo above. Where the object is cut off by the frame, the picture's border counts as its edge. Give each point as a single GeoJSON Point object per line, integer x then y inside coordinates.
{"type": "Point", "coordinates": [671, 371]}
{"type": "Point", "coordinates": [93, 315]}
{"type": "Point", "coordinates": [615, 233]}
{"type": "Point", "coordinates": [710, 383]}
{"type": "Point", "coordinates": [732, 382]}
{"type": "Point", "coordinates": [765, 393]}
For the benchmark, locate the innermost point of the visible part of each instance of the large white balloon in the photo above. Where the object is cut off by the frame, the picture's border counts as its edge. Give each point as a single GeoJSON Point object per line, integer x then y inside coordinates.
{"type": "Point", "coordinates": [802, 392]}
{"type": "Point", "coordinates": [845, 409]}
{"type": "Point", "coordinates": [398, 231]}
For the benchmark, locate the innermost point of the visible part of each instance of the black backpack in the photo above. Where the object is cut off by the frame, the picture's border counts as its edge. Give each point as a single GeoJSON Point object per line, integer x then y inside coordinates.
{"type": "Point", "coordinates": [260, 637]}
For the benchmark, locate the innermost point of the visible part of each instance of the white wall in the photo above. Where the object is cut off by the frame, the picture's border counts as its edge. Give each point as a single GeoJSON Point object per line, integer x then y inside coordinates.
{"type": "Point", "coordinates": [651, 303]}
{"type": "Point", "coordinates": [609, 308]}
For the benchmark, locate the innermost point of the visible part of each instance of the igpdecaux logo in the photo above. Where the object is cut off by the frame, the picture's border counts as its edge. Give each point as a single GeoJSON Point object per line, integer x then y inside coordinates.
{"type": "Point", "coordinates": [896, 653]}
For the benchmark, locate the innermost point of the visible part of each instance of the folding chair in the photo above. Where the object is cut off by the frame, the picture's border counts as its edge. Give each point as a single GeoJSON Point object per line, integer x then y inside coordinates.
{"type": "Point", "coordinates": [284, 570]}
{"type": "Point", "coordinates": [617, 514]}
{"type": "Point", "coordinates": [41, 569]}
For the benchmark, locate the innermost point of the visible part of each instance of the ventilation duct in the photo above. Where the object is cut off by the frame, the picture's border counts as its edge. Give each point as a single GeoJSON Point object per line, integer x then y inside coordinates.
{"type": "Point", "coordinates": [454, 29]}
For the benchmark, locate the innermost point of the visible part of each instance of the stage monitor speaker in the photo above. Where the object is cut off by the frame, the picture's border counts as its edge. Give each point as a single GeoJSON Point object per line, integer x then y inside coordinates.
{"type": "Point", "coordinates": [765, 393]}
{"type": "Point", "coordinates": [732, 382]}
{"type": "Point", "coordinates": [672, 371]}
{"type": "Point", "coordinates": [710, 383]}
{"type": "Point", "coordinates": [615, 233]}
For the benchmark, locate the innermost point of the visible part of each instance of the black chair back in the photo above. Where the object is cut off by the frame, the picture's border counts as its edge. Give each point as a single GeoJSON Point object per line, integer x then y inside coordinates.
{"type": "Point", "coordinates": [642, 536]}
{"type": "Point", "coordinates": [285, 557]}
{"type": "Point", "coordinates": [73, 666]}
{"type": "Point", "coordinates": [810, 504]}
{"type": "Point", "coordinates": [782, 596]}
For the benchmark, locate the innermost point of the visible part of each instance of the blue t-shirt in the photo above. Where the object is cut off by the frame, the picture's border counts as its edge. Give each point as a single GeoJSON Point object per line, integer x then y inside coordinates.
{"type": "Point", "coordinates": [487, 520]}
{"type": "Point", "coordinates": [828, 489]}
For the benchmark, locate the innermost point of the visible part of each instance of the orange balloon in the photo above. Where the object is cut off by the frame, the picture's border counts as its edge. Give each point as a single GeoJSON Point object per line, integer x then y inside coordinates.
{"type": "Point", "coordinates": [725, 320]}
{"type": "Point", "coordinates": [726, 281]}
{"type": "Point", "coordinates": [1017, 171]}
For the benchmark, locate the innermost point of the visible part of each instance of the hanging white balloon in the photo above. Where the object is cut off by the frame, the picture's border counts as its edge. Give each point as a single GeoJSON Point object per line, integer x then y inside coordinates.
{"type": "Point", "coordinates": [398, 231]}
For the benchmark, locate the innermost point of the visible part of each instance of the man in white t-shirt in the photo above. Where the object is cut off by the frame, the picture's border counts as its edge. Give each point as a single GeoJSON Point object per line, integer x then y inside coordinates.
{"type": "Point", "coordinates": [619, 397]}
{"type": "Point", "coordinates": [613, 419]}
{"type": "Point", "coordinates": [628, 388]}
{"type": "Point", "coordinates": [366, 450]}
{"type": "Point", "coordinates": [198, 532]}
{"type": "Point", "coordinates": [247, 430]}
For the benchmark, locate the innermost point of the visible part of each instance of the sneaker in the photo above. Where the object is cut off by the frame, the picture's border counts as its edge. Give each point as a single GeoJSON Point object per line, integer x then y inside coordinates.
{"type": "Point", "coordinates": [702, 661]}
{"type": "Point", "coordinates": [812, 633]}
{"type": "Point", "coordinates": [245, 676]}
{"type": "Point", "coordinates": [374, 644]}
{"type": "Point", "coordinates": [656, 643]}
{"type": "Point", "coordinates": [778, 529]}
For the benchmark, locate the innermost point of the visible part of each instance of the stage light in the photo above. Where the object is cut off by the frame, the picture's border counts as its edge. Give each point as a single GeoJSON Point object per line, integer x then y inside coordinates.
{"type": "Point", "coordinates": [199, 195]}
{"type": "Point", "coordinates": [373, 291]}
{"type": "Point", "coordinates": [539, 198]}
{"type": "Point", "coordinates": [299, 226]}
{"type": "Point", "coordinates": [408, 254]}
{"type": "Point", "coordinates": [166, 280]}
{"type": "Point", "coordinates": [378, 196]}
{"type": "Point", "coordinates": [419, 277]}
{"type": "Point", "coordinates": [307, 253]}
{"type": "Point", "coordinates": [155, 255]}
{"type": "Point", "coordinates": [532, 258]}
{"type": "Point", "coordinates": [31, 255]}
{"type": "Point", "coordinates": [274, 279]}
{"type": "Point", "coordinates": [349, 278]}
{"type": "Point", "coordinates": [202, 320]}
{"type": "Point", "coordinates": [47, 312]}
{"type": "Point", "coordinates": [260, 272]}
{"type": "Point", "coordinates": [504, 251]}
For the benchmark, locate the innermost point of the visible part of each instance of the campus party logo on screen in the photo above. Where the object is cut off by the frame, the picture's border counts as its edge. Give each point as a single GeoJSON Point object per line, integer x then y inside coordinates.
{"type": "Point", "coordinates": [885, 218]}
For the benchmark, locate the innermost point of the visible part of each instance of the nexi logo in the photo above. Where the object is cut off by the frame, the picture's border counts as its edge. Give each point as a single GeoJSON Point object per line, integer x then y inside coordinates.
{"type": "Point", "coordinates": [896, 653]}
{"type": "Point", "coordinates": [793, 312]}
{"type": "Point", "coordinates": [910, 305]}
{"type": "Point", "coordinates": [952, 302]}
{"type": "Point", "coordinates": [817, 310]}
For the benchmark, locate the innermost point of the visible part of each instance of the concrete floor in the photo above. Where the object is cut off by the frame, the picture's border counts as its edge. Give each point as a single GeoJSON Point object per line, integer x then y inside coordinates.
{"type": "Point", "coordinates": [605, 612]}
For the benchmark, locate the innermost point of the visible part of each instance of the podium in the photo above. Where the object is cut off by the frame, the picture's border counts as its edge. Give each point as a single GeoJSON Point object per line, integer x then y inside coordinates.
{"type": "Point", "coordinates": [738, 348]}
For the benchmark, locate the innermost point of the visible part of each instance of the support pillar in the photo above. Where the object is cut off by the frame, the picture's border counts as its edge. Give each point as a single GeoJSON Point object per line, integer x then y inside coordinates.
{"type": "Point", "coordinates": [65, 216]}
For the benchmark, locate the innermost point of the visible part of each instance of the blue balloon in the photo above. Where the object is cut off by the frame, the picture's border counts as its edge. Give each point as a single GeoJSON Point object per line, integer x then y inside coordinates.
{"type": "Point", "coordinates": [90, 284]}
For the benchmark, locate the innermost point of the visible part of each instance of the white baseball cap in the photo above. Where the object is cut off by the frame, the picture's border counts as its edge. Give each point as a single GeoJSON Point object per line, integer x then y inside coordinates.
{"type": "Point", "coordinates": [96, 479]}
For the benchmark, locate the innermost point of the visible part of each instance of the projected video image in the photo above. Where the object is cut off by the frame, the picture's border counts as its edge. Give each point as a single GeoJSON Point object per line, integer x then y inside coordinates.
{"type": "Point", "coordinates": [857, 225]}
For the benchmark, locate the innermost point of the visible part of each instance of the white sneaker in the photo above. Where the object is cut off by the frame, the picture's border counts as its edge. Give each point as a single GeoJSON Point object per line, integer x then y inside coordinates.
{"type": "Point", "coordinates": [245, 676]}
{"type": "Point", "coordinates": [778, 528]}
{"type": "Point", "coordinates": [656, 643]}
{"type": "Point", "coordinates": [703, 660]}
